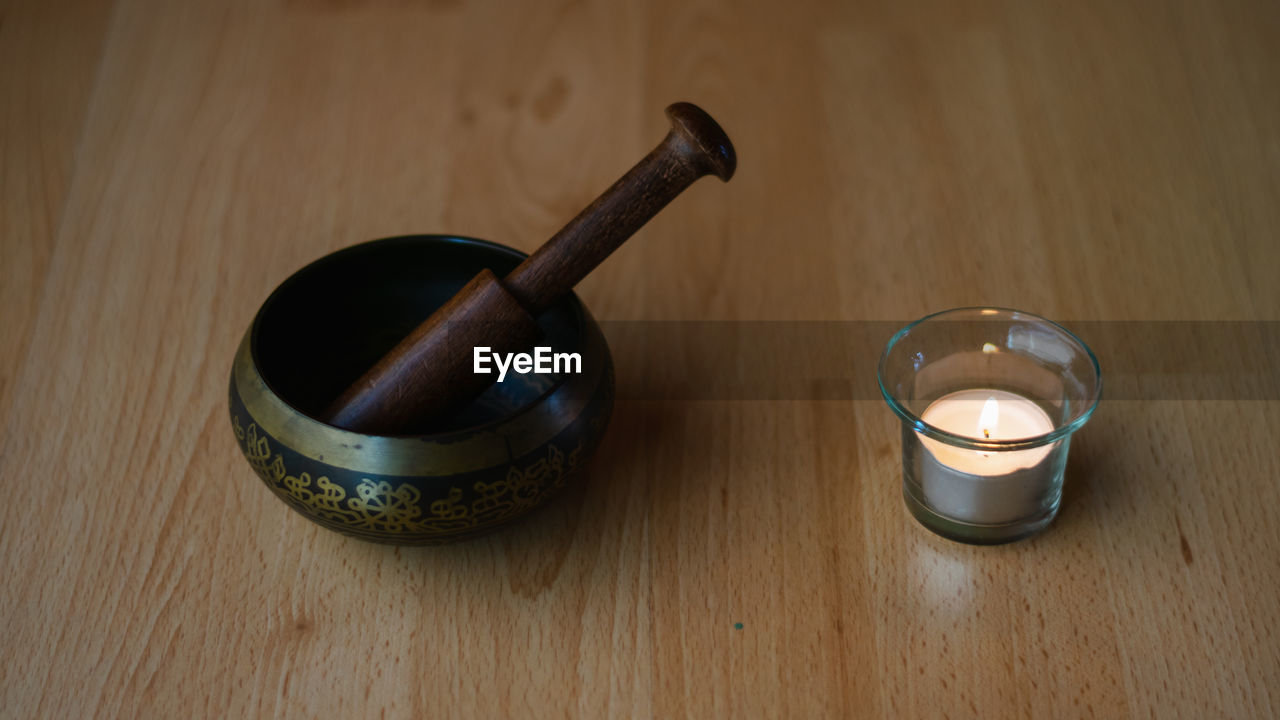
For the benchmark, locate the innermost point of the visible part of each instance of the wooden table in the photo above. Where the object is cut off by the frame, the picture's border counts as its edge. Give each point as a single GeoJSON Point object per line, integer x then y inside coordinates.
{"type": "Point", "coordinates": [730, 553]}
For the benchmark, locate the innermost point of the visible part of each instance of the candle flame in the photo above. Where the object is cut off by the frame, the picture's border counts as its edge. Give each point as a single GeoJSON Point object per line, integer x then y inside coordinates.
{"type": "Point", "coordinates": [989, 418]}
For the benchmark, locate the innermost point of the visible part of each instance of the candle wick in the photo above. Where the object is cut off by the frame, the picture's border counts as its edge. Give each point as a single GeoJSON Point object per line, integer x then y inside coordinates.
{"type": "Point", "coordinates": [986, 433]}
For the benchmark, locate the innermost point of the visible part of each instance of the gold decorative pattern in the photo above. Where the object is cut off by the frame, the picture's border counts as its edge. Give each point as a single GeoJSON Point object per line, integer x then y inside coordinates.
{"type": "Point", "coordinates": [385, 511]}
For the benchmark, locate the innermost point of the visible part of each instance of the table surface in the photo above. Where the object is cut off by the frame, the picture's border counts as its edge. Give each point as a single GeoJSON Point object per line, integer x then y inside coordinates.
{"type": "Point", "coordinates": [733, 550]}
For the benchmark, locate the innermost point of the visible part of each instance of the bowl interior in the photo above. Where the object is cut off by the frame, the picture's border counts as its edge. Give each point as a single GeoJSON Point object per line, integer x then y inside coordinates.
{"type": "Point", "coordinates": [333, 319]}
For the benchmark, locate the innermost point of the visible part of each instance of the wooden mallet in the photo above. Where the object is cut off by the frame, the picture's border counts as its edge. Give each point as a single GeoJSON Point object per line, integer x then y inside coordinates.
{"type": "Point", "coordinates": [429, 375]}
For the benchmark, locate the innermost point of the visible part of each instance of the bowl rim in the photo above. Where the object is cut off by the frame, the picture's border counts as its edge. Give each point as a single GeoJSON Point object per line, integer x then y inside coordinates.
{"type": "Point", "coordinates": [579, 317]}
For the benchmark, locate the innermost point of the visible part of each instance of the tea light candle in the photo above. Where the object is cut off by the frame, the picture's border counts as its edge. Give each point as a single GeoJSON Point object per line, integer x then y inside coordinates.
{"type": "Point", "coordinates": [979, 464]}
{"type": "Point", "coordinates": [982, 487]}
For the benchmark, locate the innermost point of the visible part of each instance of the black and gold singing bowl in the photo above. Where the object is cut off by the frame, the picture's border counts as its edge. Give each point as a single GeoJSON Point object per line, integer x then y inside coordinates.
{"type": "Point", "coordinates": [509, 451]}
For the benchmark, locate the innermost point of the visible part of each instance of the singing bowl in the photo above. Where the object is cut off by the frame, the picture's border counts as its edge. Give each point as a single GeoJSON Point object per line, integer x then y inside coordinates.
{"type": "Point", "coordinates": [509, 451]}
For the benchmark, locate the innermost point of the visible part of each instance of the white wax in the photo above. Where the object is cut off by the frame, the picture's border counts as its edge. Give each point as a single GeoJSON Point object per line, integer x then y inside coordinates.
{"type": "Point", "coordinates": [986, 487]}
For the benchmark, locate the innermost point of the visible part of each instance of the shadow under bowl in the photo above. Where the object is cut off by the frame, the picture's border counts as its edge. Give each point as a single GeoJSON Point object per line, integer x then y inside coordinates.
{"type": "Point", "coordinates": [509, 451]}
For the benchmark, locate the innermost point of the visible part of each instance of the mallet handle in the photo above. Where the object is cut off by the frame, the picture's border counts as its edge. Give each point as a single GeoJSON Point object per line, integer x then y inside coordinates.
{"type": "Point", "coordinates": [694, 147]}
{"type": "Point", "coordinates": [428, 375]}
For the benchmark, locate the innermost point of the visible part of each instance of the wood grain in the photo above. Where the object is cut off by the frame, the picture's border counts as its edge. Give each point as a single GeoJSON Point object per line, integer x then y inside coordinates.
{"type": "Point", "coordinates": [165, 165]}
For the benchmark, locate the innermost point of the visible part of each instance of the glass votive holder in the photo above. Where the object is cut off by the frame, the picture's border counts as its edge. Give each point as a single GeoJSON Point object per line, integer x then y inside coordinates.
{"type": "Point", "coordinates": [989, 398]}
